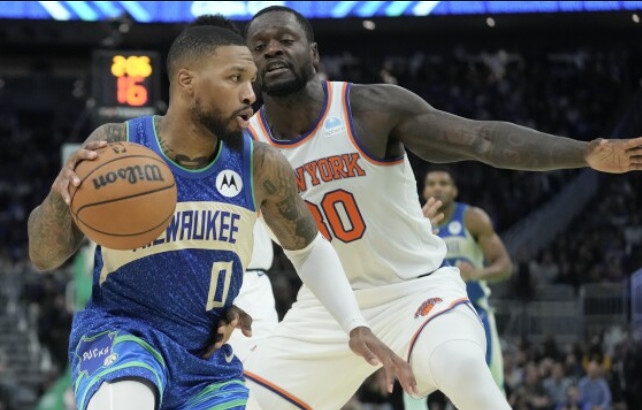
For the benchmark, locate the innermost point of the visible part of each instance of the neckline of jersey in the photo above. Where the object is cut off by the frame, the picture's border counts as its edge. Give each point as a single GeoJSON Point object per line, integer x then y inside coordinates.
{"type": "Point", "coordinates": [191, 172]}
{"type": "Point", "coordinates": [324, 112]}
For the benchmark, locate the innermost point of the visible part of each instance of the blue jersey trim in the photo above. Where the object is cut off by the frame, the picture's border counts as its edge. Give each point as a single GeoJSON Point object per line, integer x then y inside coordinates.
{"type": "Point", "coordinates": [324, 111]}
{"type": "Point", "coordinates": [356, 136]}
{"type": "Point", "coordinates": [248, 170]}
{"type": "Point", "coordinates": [176, 168]}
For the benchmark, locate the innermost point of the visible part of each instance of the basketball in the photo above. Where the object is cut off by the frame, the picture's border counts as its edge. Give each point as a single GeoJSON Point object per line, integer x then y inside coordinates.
{"type": "Point", "coordinates": [126, 196]}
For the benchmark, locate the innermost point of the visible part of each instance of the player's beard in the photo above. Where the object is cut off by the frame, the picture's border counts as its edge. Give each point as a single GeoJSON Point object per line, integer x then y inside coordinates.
{"type": "Point", "coordinates": [217, 124]}
{"type": "Point", "coordinates": [293, 85]}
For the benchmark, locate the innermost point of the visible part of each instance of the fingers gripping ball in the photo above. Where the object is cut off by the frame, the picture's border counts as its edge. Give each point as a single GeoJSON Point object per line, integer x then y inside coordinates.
{"type": "Point", "coordinates": [126, 197]}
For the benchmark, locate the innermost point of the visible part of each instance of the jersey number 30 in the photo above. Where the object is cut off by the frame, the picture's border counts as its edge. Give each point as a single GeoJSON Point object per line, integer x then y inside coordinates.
{"type": "Point", "coordinates": [340, 212]}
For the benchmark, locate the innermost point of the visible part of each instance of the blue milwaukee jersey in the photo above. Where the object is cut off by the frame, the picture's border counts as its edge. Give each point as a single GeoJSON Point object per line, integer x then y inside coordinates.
{"type": "Point", "coordinates": [180, 283]}
{"type": "Point", "coordinates": [463, 247]}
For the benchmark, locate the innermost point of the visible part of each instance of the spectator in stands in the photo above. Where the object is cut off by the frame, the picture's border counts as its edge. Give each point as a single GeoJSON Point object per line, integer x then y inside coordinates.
{"type": "Point", "coordinates": [533, 391]}
{"type": "Point", "coordinates": [557, 384]}
{"type": "Point", "coordinates": [595, 353]}
{"type": "Point", "coordinates": [572, 400]}
{"type": "Point", "coordinates": [594, 390]}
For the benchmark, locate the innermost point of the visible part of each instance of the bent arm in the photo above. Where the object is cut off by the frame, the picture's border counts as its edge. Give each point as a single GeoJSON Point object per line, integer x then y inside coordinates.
{"type": "Point", "coordinates": [53, 236]}
{"type": "Point", "coordinates": [315, 260]}
{"type": "Point", "coordinates": [499, 266]}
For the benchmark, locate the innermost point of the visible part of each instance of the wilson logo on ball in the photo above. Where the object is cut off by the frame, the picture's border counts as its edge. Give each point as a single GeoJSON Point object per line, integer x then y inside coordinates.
{"type": "Point", "coordinates": [131, 174]}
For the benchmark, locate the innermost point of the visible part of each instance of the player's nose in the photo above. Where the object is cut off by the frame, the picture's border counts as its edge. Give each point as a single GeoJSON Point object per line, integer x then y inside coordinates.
{"type": "Point", "coordinates": [247, 95]}
{"type": "Point", "coordinates": [273, 49]}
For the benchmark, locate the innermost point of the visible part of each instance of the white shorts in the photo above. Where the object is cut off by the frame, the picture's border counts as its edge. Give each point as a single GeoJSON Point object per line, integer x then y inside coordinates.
{"type": "Point", "coordinates": [307, 360]}
{"type": "Point", "coordinates": [255, 298]}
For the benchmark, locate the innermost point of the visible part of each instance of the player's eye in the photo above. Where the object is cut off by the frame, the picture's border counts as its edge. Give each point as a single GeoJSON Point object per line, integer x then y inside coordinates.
{"type": "Point", "coordinates": [259, 47]}
{"type": "Point", "coordinates": [236, 78]}
{"type": "Point", "coordinates": [287, 41]}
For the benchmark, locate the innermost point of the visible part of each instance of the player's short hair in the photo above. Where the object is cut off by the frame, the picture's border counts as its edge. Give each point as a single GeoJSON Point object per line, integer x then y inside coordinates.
{"type": "Point", "coordinates": [303, 22]}
{"type": "Point", "coordinates": [442, 168]}
{"type": "Point", "coordinates": [195, 42]}
{"type": "Point", "coordinates": [215, 20]}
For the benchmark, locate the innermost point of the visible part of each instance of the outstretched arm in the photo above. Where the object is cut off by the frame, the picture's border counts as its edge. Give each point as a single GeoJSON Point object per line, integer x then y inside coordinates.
{"type": "Point", "coordinates": [53, 236]}
{"type": "Point", "coordinates": [438, 136]}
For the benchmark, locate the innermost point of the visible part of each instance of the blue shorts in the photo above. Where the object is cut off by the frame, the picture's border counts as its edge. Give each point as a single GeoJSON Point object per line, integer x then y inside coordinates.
{"type": "Point", "coordinates": [182, 380]}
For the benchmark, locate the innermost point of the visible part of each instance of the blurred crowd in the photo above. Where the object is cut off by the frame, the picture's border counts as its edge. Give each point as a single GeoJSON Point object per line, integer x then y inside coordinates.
{"type": "Point", "coordinates": [558, 92]}
{"type": "Point", "coordinates": [599, 375]}
{"type": "Point", "coordinates": [602, 245]}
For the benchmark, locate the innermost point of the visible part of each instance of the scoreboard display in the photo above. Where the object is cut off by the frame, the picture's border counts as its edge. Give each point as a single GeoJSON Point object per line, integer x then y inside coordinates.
{"type": "Point", "coordinates": [125, 84]}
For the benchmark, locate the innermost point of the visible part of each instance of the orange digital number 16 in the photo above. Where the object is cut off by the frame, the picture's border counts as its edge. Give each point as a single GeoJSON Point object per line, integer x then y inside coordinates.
{"type": "Point", "coordinates": [131, 92]}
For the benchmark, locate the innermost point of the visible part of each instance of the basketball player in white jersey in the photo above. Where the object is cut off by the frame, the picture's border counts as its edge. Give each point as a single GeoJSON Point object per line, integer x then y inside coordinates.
{"type": "Point", "coordinates": [346, 144]}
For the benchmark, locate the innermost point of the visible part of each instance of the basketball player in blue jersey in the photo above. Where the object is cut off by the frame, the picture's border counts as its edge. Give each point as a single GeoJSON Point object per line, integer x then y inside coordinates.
{"type": "Point", "coordinates": [478, 252]}
{"type": "Point", "coordinates": [139, 342]}
{"type": "Point", "coordinates": [346, 143]}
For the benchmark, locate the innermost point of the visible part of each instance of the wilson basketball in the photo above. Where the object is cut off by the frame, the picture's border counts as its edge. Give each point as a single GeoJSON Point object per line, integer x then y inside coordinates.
{"type": "Point", "coordinates": [126, 197]}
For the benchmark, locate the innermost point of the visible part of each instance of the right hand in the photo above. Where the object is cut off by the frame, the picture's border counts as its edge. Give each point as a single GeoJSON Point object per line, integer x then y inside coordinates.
{"type": "Point", "coordinates": [365, 344]}
{"type": "Point", "coordinates": [233, 318]}
{"type": "Point", "coordinates": [68, 175]}
{"type": "Point", "coordinates": [431, 211]}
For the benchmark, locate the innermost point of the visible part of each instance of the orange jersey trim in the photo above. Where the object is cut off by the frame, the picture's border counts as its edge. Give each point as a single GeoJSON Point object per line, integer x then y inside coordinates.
{"type": "Point", "coordinates": [277, 390]}
{"type": "Point", "coordinates": [453, 305]}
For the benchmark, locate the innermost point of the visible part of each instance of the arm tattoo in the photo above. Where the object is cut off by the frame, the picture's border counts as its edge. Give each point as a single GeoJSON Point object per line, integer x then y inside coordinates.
{"type": "Point", "coordinates": [507, 145]}
{"type": "Point", "coordinates": [53, 236]}
{"type": "Point", "coordinates": [182, 159]}
{"type": "Point", "coordinates": [499, 144]}
{"type": "Point", "coordinates": [442, 137]}
{"type": "Point", "coordinates": [282, 207]}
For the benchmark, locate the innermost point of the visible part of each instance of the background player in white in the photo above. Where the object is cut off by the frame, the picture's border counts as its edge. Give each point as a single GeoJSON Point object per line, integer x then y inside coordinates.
{"type": "Point", "coordinates": [479, 253]}
{"type": "Point", "coordinates": [346, 144]}
{"type": "Point", "coordinates": [256, 296]}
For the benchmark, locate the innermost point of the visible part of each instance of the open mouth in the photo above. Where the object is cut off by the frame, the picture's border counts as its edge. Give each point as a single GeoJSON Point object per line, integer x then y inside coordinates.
{"type": "Point", "coordinates": [243, 117]}
{"type": "Point", "coordinates": [276, 67]}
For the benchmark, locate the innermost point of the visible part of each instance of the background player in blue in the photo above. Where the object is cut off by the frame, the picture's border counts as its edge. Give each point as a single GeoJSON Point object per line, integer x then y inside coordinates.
{"type": "Point", "coordinates": [140, 341]}
{"type": "Point", "coordinates": [476, 249]}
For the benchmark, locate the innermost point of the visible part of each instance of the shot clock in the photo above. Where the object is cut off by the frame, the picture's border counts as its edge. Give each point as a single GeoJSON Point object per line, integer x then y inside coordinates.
{"type": "Point", "coordinates": [126, 84]}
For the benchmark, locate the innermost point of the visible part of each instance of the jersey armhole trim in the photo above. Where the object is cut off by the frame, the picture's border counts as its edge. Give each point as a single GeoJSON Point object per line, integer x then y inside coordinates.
{"type": "Point", "coordinates": [347, 112]}
{"type": "Point", "coordinates": [250, 198]}
{"type": "Point", "coordinates": [253, 133]}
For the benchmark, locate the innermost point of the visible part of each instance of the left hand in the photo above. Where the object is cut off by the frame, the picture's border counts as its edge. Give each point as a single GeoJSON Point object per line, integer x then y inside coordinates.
{"type": "Point", "coordinates": [233, 318]}
{"type": "Point", "coordinates": [468, 271]}
{"type": "Point", "coordinates": [431, 211]}
{"type": "Point", "coordinates": [615, 156]}
{"type": "Point", "coordinates": [365, 344]}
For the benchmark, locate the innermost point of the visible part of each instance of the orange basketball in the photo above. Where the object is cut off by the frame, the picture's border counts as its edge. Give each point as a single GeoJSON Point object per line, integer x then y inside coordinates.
{"type": "Point", "coordinates": [126, 196]}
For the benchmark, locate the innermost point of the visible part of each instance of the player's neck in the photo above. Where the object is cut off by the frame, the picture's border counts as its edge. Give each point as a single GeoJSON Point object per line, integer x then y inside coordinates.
{"type": "Point", "coordinates": [448, 211]}
{"type": "Point", "coordinates": [188, 144]}
{"type": "Point", "coordinates": [295, 114]}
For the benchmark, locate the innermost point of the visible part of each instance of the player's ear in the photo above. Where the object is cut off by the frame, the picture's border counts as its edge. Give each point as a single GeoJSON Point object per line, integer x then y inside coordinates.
{"type": "Point", "coordinates": [314, 49]}
{"type": "Point", "coordinates": [185, 80]}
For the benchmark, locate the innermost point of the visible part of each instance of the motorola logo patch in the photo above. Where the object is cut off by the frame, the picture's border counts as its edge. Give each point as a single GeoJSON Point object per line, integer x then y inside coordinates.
{"type": "Point", "coordinates": [229, 183]}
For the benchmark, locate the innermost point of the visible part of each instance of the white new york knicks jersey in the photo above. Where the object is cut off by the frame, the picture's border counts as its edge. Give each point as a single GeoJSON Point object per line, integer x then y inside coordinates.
{"type": "Point", "coordinates": [367, 207]}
